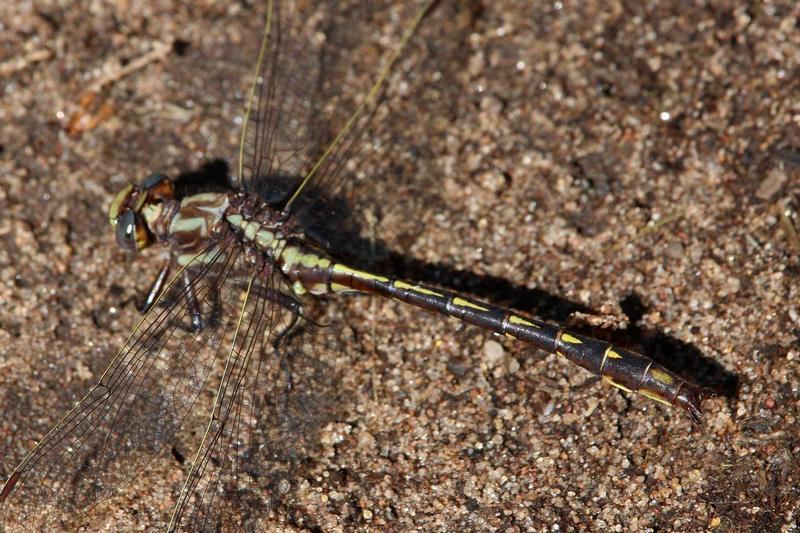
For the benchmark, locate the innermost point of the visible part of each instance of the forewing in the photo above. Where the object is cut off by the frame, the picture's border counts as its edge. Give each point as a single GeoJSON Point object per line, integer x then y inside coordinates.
{"type": "Point", "coordinates": [319, 62]}
{"type": "Point", "coordinates": [135, 409]}
{"type": "Point", "coordinates": [271, 401]}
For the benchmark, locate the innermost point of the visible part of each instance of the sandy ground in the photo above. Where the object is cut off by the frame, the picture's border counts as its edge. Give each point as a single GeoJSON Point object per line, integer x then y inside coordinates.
{"type": "Point", "coordinates": [631, 170]}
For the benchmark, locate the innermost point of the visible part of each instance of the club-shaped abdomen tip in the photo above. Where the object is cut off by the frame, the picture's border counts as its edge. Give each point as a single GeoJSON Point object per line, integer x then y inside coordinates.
{"type": "Point", "coordinates": [690, 397]}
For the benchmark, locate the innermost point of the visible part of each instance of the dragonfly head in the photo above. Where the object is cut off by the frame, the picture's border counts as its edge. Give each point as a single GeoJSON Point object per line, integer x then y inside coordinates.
{"type": "Point", "coordinates": [135, 207]}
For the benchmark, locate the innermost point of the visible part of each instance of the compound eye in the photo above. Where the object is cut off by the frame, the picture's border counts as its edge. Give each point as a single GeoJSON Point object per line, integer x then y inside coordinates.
{"type": "Point", "coordinates": [158, 187]}
{"type": "Point", "coordinates": [120, 203]}
{"type": "Point", "coordinates": [131, 234]}
{"type": "Point", "coordinates": [153, 179]}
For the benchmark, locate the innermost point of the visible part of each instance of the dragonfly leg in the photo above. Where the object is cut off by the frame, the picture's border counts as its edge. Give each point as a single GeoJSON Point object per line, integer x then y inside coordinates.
{"type": "Point", "coordinates": [155, 289]}
{"type": "Point", "coordinates": [191, 300]}
{"type": "Point", "coordinates": [296, 309]}
{"type": "Point", "coordinates": [280, 336]}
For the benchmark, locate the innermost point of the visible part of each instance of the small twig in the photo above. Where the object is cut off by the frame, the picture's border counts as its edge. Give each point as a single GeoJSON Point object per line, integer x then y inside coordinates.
{"type": "Point", "coordinates": [655, 226]}
{"type": "Point", "coordinates": [158, 53]}
{"type": "Point", "coordinates": [790, 231]}
{"type": "Point", "coordinates": [20, 63]}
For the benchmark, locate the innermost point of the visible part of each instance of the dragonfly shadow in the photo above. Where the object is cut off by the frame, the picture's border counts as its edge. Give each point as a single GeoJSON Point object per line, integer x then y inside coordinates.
{"type": "Point", "coordinates": [212, 176]}
{"type": "Point", "coordinates": [679, 356]}
{"type": "Point", "coordinates": [676, 354]}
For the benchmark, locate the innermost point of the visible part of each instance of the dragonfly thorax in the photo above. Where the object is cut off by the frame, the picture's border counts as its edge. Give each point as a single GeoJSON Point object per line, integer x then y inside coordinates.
{"type": "Point", "coordinates": [147, 213]}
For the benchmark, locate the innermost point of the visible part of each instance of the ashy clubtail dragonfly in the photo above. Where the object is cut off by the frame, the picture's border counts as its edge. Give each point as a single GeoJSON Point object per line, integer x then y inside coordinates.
{"type": "Point", "coordinates": [230, 308]}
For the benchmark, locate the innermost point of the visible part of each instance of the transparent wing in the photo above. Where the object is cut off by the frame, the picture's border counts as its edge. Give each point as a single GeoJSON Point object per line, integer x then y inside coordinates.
{"type": "Point", "coordinates": [279, 134]}
{"type": "Point", "coordinates": [320, 69]}
{"type": "Point", "coordinates": [269, 407]}
{"type": "Point", "coordinates": [135, 409]}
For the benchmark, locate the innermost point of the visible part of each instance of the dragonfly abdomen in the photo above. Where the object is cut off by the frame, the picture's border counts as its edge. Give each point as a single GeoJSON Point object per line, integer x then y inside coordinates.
{"type": "Point", "coordinates": [631, 371]}
{"type": "Point", "coordinates": [625, 369]}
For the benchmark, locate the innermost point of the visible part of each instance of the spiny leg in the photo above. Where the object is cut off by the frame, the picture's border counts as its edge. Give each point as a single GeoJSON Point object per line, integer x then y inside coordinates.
{"type": "Point", "coordinates": [159, 285]}
{"type": "Point", "coordinates": [191, 300]}
{"type": "Point", "coordinates": [276, 345]}
{"type": "Point", "coordinates": [155, 290]}
{"type": "Point", "coordinates": [296, 310]}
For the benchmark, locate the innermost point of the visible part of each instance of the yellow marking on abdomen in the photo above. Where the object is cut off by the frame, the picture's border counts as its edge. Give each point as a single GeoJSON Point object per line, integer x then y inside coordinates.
{"type": "Point", "coordinates": [298, 288]}
{"type": "Point", "coordinates": [609, 354]}
{"type": "Point", "coordinates": [660, 375]}
{"type": "Point", "coordinates": [606, 355]}
{"type": "Point", "coordinates": [461, 302]}
{"type": "Point", "coordinates": [653, 396]}
{"type": "Point", "coordinates": [566, 337]}
{"type": "Point", "coordinates": [617, 385]}
{"type": "Point", "coordinates": [314, 261]}
{"type": "Point", "coordinates": [514, 319]}
{"type": "Point", "coordinates": [337, 287]}
{"type": "Point", "coordinates": [339, 268]}
{"type": "Point", "coordinates": [416, 288]}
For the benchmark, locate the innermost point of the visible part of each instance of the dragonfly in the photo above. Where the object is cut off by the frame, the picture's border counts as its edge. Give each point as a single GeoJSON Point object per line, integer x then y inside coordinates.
{"type": "Point", "coordinates": [232, 312]}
